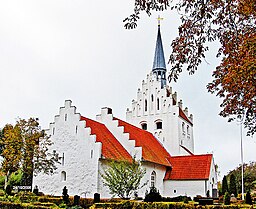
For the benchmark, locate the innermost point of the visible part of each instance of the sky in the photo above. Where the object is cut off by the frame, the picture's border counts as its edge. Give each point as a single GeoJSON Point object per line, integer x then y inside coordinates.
{"type": "Point", "coordinates": [54, 50]}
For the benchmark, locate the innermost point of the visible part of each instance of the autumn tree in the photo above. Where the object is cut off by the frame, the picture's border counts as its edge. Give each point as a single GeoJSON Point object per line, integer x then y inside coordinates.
{"type": "Point", "coordinates": [232, 24]}
{"type": "Point", "coordinates": [123, 178]}
{"type": "Point", "coordinates": [21, 150]}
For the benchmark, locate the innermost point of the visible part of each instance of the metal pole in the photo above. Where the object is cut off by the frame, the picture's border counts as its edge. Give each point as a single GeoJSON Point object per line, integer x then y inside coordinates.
{"type": "Point", "coordinates": [242, 159]}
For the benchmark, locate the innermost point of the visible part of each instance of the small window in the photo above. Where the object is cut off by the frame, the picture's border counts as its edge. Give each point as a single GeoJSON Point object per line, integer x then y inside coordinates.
{"type": "Point", "coordinates": [91, 153]}
{"type": "Point", "coordinates": [174, 191]}
{"type": "Point", "coordinates": [188, 130]}
{"type": "Point", "coordinates": [146, 105]}
{"type": "Point", "coordinates": [76, 129]}
{"type": "Point", "coordinates": [183, 127]}
{"type": "Point", "coordinates": [153, 179]}
{"type": "Point", "coordinates": [53, 131]}
{"type": "Point", "coordinates": [66, 116]}
{"type": "Point", "coordinates": [152, 98]}
{"type": "Point", "coordinates": [158, 104]}
{"type": "Point", "coordinates": [159, 125]}
{"type": "Point", "coordinates": [63, 176]}
{"type": "Point", "coordinates": [144, 126]}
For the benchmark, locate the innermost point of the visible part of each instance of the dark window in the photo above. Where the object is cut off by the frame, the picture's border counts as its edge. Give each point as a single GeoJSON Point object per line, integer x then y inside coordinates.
{"type": "Point", "coordinates": [152, 98]}
{"type": "Point", "coordinates": [158, 104]}
{"type": "Point", "coordinates": [76, 129]}
{"type": "Point", "coordinates": [159, 125]}
{"type": "Point", "coordinates": [153, 179]}
{"type": "Point", "coordinates": [146, 105]}
{"type": "Point", "coordinates": [66, 116]}
{"type": "Point", "coordinates": [144, 126]}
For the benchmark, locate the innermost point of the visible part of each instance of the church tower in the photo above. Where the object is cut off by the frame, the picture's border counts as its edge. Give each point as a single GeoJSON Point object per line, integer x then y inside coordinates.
{"type": "Point", "coordinates": [157, 110]}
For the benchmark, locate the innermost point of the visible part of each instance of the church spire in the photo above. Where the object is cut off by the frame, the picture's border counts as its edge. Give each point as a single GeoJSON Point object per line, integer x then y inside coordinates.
{"type": "Point", "coordinates": [159, 67]}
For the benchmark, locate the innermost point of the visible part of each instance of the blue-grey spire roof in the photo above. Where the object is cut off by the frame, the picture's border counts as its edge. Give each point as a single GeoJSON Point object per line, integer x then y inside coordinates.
{"type": "Point", "coordinates": [159, 60]}
{"type": "Point", "coordinates": [159, 67]}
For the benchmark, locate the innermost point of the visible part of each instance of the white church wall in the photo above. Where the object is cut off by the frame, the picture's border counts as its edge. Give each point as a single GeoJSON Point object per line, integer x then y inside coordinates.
{"type": "Point", "coordinates": [212, 183]}
{"type": "Point", "coordinates": [159, 174]}
{"type": "Point", "coordinates": [174, 188]}
{"type": "Point", "coordinates": [78, 171]}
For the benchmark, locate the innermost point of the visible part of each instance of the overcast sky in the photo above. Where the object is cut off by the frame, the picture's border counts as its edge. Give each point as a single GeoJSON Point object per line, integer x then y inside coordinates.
{"type": "Point", "coordinates": [53, 50]}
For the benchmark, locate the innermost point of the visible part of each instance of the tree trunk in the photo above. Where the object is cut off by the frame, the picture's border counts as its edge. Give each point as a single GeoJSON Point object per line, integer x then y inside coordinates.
{"type": "Point", "coordinates": [6, 179]}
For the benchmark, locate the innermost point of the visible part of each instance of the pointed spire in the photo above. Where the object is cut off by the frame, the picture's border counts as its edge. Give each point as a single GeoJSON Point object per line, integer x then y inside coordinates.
{"type": "Point", "coordinates": [159, 67]}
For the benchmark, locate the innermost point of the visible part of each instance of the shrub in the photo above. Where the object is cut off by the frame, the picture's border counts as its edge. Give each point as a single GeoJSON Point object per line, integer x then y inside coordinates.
{"type": "Point", "coordinates": [15, 178]}
{"type": "Point", "coordinates": [248, 198]}
{"type": "Point", "coordinates": [180, 198]}
{"type": "Point", "coordinates": [65, 195]}
{"type": "Point", "coordinates": [153, 195]}
{"type": "Point", "coordinates": [227, 198]}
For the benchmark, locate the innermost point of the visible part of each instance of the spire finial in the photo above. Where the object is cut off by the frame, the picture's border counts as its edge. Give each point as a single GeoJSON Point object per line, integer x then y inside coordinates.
{"type": "Point", "coordinates": [159, 20]}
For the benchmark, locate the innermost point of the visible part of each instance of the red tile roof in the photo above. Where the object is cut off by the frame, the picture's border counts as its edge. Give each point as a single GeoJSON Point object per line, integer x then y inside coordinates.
{"type": "Point", "coordinates": [152, 150]}
{"type": "Point", "coordinates": [183, 115]}
{"type": "Point", "coordinates": [111, 147]}
{"type": "Point", "coordinates": [192, 167]}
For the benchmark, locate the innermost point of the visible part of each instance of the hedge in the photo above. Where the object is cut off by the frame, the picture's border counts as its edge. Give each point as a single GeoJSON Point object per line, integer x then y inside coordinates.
{"type": "Point", "coordinates": [11, 205]}
{"type": "Point", "coordinates": [163, 205]}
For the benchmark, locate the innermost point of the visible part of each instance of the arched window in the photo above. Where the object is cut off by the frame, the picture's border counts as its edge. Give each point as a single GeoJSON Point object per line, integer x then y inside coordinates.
{"type": "Point", "coordinates": [63, 176]}
{"type": "Point", "coordinates": [159, 125]}
{"type": "Point", "coordinates": [158, 104]}
{"type": "Point", "coordinates": [144, 126]}
{"type": "Point", "coordinates": [66, 116]}
{"type": "Point", "coordinates": [188, 132]}
{"type": "Point", "coordinates": [146, 105]}
{"type": "Point", "coordinates": [152, 98]}
{"type": "Point", "coordinates": [153, 179]}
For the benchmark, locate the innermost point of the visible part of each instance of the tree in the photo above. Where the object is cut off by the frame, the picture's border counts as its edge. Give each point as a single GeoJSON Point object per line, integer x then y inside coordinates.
{"type": "Point", "coordinates": [123, 178]}
{"type": "Point", "coordinates": [227, 198]}
{"type": "Point", "coordinates": [248, 198]}
{"type": "Point", "coordinates": [249, 176]}
{"type": "Point", "coordinates": [21, 150]}
{"type": "Point", "coordinates": [224, 185]}
{"type": "Point", "coordinates": [232, 23]}
{"type": "Point", "coordinates": [232, 185]}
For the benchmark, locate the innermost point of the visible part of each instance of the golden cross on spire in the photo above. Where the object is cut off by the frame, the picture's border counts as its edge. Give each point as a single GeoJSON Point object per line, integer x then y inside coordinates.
{"type": "Point", "coordinates": [159, 19]}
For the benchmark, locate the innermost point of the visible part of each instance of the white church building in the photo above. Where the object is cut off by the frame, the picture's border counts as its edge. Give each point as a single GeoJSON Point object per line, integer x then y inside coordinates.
{"type": "Point", "coordinates": [158, 131]}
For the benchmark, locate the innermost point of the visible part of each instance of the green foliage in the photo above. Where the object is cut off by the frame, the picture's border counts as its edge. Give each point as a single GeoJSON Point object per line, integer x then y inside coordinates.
{"type": "Point", "coordinates": [123, 178]}
{"type": "Point", "coordinates": [224, 185]}
{"type": "Point", "coordinates": [15, 178]}
{"type": "Point", "coordinates": [232, 185]}
{"type": "Point", "coordinates": [2, 178]}
{"type": "Point", "coordinates": [227, 198]}
{"type": "Point", "coordinates": [162, 205]}
{"type": "Point", "coordinates": [249, 177]}
{"type": "Point", "coordinates": [153, 196]}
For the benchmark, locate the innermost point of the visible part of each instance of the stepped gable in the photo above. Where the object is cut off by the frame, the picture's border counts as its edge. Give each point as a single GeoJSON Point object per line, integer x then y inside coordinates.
{"type": "Point", "coordinates": [192, 167]}
{"type": "Point", "coordinates": [111, 147]}
{"type": "Point", "coordinates": [152, 150]}
{"type": "Point", "coordinates": [183, 115]}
